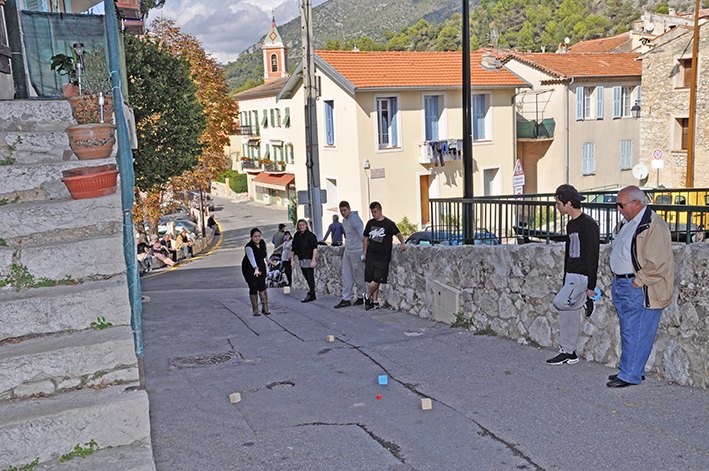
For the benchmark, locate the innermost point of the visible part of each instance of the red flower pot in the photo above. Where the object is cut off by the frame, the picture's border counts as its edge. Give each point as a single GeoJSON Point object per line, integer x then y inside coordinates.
{"type": "Point", "coordinates": [90, 182]}
{"type": "Point", "coordinates": [92, 141]}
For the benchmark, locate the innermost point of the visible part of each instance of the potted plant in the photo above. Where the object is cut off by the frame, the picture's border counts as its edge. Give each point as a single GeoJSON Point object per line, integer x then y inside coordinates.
{"type": "Point", "coordinates": [94, 136]}
{"type": "Point", "coordinates": [64, 65]}
{"type": "Point", "coordinates": [90, 182]}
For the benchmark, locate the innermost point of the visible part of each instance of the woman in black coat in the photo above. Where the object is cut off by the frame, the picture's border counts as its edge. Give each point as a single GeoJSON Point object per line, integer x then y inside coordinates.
{"type": "Point", "coordinates": [305, 247]}
{"type": "Point", "coordinates": [253, 266]}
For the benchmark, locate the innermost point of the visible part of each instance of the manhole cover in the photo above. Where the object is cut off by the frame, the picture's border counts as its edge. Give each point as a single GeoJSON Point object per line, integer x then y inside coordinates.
{"type": "Point", "coordinates": [280, 385]}
{"type": "Point", "coordinates": [201, 360]}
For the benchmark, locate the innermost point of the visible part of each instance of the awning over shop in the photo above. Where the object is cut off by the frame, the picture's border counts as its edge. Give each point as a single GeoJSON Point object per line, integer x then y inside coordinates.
{"type": "Point", "coordinates": [275, 182]}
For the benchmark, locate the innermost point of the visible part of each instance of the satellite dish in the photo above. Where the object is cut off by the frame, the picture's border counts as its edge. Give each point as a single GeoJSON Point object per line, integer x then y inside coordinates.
{"type": "Point", "coordinates": [649, 27]}
{"type": "Point", "coordinates": [567, 40]}
{"type": "Point", "coordinates": [640, 171]}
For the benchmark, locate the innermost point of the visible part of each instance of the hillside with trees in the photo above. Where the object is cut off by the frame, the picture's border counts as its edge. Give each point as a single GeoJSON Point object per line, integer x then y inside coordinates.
{"type": "Point", "coordinates": [527, 25]}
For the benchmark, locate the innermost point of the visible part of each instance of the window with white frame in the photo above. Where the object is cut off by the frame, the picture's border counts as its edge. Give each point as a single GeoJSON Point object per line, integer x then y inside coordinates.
{"type": "Point", "coordinates": [480, 104]}
{"type": "Point", "coordinates": [584, 96]}
{"type": "Point", "coordinates": [332, 195]}
{"type": "Point", "coordinates": [588, 158]}
{"type": "Point", "coordinates": [622, 102]}
{"type": "Point", "coordinates": [329, 108]}
{"type": "Point", "coordinates": [387, 132]}
{"type": "Point", "coordinates": [626, 154]}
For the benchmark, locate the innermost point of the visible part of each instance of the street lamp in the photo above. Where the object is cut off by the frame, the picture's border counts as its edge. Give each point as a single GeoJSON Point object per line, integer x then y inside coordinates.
{"type": "Point", "coordinates": [366, 174]}
{"type": "Point", "coordinates": [635, 110]}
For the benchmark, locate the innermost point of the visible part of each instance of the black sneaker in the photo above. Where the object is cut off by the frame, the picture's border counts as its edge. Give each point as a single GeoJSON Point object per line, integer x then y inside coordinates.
{"type": "Point", "coordinates": [358, 302]}
{"type": "Point", "coordinates": [590, 307]}
{"type": "Point", "coordinates": [562, 357]}
{"type": "Point", "coordinates": [368, 304]}
{"type": "Point", "coordinates": [375, 306]}
{"type": "Point", "coordinates": [343, 303]}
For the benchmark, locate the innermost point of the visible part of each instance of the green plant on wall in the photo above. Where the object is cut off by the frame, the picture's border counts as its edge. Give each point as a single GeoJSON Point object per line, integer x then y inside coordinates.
{"type": "Point", "coordinates": [79, 451]}
{"type": "Point", "coordinates": [101, 324]}
{"type": "Point", "coordinates": [406, 227]}
{"type": "Point", "coordinates": [12, 148]}
{"type": "Point", "coordinates": [94, 78]}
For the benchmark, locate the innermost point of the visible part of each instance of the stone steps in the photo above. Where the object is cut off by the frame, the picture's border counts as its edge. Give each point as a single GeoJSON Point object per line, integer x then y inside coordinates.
{"type": "Point", "coordinates": [41, 181]}
{"type": "Point", "coordinates": [63, 219]}
{"type": "Point", "coordinates": [122, 458]}
{"type": "Point", "coordinates": [37, 147]}
{"type": "Point", "coordinates": [78, 259]}
{"type": "Point", "coordinates": [48, 427]}
{"type": "Point", "coordinates": [86, 358]}
{"type": "Point", "coordinates": [63, 308]}
{"type": "Point", "coordinates": [26, 116]}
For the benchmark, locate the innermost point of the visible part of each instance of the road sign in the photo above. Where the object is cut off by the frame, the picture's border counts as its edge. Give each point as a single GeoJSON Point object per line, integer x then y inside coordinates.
{"type": "Point", "coordinates": [658, 164]}
{"type": "Point", "coordinates": [518, 180]}
{"type": "Point", "coordinates": [519, 190]}
{"type": "Point", "coordinates": [518, 169]}
{"type": "Point", "coordinates": [657, 154]}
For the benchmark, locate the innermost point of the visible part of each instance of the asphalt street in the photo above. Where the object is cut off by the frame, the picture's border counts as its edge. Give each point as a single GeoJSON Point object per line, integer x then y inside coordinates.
{"type": "Point", "coordinates": [309, 404]}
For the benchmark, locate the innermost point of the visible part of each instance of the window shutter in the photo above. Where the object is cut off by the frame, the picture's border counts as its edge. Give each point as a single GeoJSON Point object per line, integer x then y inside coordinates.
{"type": "Point", "coordinates": [599, 102]}
{"type": "Point", "coordinates": [593, 157]}
{"type": "Point", "coordinates": [264, 120]}
{"type": "Point", "coordinates": [478, 117]}
{"type": "Point", "coordinates": [394, 133]}
{"type": "Point", "coordinates": [35, 5]}
{"type": "Point", "coordinates": [617, 103]}
{"type": "Point", "coordinates": [639, 95]}
{"type": "Point", "coordinates": [286, 120]}
{"type": "Point", "coordinates": [626, 154]}
{"type": "Point", "coordinates": [579, 103]}
{"type": "Point", "coordinates": [329, 124]}
{"type": "Point", "coordinates": [267, 154]}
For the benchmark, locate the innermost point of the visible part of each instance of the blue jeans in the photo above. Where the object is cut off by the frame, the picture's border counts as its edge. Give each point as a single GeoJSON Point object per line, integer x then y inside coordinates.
{"type": "Point", "coordinates": [638, 326]}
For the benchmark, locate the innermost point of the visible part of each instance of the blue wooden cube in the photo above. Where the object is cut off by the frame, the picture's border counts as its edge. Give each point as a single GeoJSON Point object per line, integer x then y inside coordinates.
{"type": "Point", "coordinates": [383, 379]}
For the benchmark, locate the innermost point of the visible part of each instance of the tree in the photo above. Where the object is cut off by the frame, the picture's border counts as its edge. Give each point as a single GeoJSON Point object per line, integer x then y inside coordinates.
{"type": "Point", "coordinates": [169, 119]}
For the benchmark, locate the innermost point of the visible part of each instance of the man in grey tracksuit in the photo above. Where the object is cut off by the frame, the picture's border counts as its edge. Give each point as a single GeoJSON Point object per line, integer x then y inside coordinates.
{"type": "Point", "coordinates": [352, 264]}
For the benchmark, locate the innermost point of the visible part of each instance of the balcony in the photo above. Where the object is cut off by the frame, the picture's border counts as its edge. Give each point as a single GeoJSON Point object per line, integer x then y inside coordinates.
{"type": "Point", "coordinates": [248, 130]}
{"type": "Point", "coordinates": [250, 164]}
{"type": "Point", "coordinates": [274, 167]}
{"type": "Point", "coordinates": [536, 130]}
{"type": "Point", "coordinates": [129, 9]}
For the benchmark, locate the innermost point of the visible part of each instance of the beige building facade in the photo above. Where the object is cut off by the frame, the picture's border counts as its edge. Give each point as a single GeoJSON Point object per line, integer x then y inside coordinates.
{"type": "Point", "coordinates": [374, 138]}
{"type": "Point", "coordinates": [576, 125]}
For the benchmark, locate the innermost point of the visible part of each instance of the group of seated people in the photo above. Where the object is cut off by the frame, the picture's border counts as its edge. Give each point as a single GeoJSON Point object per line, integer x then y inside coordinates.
{"type": "Point", "coordinates": [165, 249]}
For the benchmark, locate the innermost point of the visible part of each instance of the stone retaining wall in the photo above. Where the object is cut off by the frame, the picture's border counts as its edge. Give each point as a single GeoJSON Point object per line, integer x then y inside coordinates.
{"type": "Point", "coordinates": [510, 289]}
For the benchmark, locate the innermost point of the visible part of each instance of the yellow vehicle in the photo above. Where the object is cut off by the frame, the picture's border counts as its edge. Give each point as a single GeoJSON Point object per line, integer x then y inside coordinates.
{"type": "Point", "coordinates": [677, 219]}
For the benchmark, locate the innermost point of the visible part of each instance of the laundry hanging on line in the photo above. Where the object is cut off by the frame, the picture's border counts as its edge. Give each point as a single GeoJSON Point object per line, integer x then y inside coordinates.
{"type": "Point", "coordinates": [441, 150]}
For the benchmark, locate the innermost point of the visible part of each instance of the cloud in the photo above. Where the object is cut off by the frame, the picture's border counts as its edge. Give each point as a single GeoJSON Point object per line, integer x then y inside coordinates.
{"type": "Point", "coordinates": [227, 28]}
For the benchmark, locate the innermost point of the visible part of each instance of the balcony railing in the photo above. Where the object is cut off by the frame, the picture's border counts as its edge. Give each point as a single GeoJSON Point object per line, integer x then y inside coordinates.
{"type": "Point", "coordinates": [248, 130]}
{"type": "Point", "coordinates": [250, 163]}
{"type": "Point", "coordinates": [273, 167]}
{"type": "Point", "coordinates": [536, 130]}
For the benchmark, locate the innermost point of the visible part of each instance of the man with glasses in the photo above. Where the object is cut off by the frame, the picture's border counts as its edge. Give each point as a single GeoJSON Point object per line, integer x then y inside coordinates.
{"type": "Point", "coordinates": [580, 268]}
{"type": "Point", "coordinates": [643, 267]}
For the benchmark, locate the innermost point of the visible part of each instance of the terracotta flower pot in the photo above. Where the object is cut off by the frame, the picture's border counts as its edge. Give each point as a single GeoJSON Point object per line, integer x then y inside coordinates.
{"type": "Point", "coordinates": [92, 141]}
{"type": "Point", "coordinates": [85, 109]}
{"type": "Point", "coordinates": [70, 90]}
{"type": "Point", "coordinates": [90, 182]}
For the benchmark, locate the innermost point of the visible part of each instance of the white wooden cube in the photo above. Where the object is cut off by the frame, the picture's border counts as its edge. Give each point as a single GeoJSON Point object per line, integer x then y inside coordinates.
{"type": "Point", "coordinates": [426, 403]}
{"type": "Point", "coordinates": [234, 398]}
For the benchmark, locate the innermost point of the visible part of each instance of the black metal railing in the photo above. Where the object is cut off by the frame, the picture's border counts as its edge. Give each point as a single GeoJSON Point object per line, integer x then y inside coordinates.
{"type": "Point", "coordinates": [248, 130]}
{"type": "Point", "coordinates": [532, 218]}
{"type": "Point", "coordinates": [250, 163]}
{"type": "Point", "coordinates": [274, 167]}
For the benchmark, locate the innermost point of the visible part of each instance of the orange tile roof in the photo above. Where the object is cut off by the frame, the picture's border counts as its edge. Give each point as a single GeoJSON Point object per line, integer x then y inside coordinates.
{"type": "Point", "coordinates": [600, 45]}
{"type": "Point", "coordinates": [266, 90]}
{"type": "Point", "coordinates": [394, 69]}
{"type": "Point", "coordinates": [595, 64]}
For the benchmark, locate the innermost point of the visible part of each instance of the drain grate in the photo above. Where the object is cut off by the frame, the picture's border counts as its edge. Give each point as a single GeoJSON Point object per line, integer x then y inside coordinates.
{"type": "Point", "coordinates": [281, 385]}
{"type": "Point", "coordinates": [201, 360]}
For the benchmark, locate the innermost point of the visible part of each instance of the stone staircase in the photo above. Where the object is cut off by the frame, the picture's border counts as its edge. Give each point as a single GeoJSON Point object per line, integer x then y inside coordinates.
{"type": "Point", "coordinates": [62, 382]}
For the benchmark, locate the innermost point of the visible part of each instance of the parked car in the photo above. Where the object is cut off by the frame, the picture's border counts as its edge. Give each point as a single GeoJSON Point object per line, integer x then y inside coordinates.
{"type": "Point", "coordinates": [482, 237]}
{"type": "Point", "coordinates": [189, 226]}
{"type": "Point", "coordinates": [174, 213]}
{"type": "Point", "coordinates": [208, 201]}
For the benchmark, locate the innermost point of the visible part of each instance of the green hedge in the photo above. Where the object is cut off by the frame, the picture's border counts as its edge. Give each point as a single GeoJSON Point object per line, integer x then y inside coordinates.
{"type": "Point", "coordinates": [237, 181]}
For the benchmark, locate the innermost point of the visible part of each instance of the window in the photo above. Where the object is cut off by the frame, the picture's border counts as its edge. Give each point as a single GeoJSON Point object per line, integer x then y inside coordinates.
{"type": "Point", "coordinates": [622, 102]}
{"type": "Point", "coordinates": [386, 122]}
{"type": "Point", "coordinates": [254, 123]}
{"type": "Point", "coordinates": [329, 106]}
{"type": "Point", "coordinates": [599, 102]}
{"type": "Point", "coordinates": [274, 63]}
{"type": "Point", "coordinates": [278, 117]}
{"type": "Point", "coordinates": [583, 103]}
{"type": "Point", "coordinates": [431, 117]}
{"type": "Point", "coordinates": [332, 196]}
{"type": "Point", "coordinates": [626, 154]}
{"type": "Point", "coordinates": [264, 120]}
{"type": "Point", "coordinates": [686, 72]}
{"type": "Point", "coordinates": [492, 181]}
{"type": "Point", "coordinates": [479, 114]}
{"type": "Point", "coordinates": [588, 162]}
{"type": "Point", "coordinates": [286, 119]}
{"type": "Point", "coordinates": [682, 134]}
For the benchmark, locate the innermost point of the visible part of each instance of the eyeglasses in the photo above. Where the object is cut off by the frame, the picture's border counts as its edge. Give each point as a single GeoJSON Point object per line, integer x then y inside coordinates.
{"type": "Point", "coordinates": [622, 205]}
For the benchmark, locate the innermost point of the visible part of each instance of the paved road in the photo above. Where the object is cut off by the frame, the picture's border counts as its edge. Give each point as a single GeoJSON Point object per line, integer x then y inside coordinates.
{"type": "Point", "coordinates": [312, 405]}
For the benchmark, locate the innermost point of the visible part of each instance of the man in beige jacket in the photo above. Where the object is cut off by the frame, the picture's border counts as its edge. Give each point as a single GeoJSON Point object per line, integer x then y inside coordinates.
{"type": "Point", "coordinates": [644, 269]}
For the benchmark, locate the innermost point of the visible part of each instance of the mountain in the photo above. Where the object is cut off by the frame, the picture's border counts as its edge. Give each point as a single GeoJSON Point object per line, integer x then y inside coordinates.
{"type": "Point", "coordinates": [343, 19]}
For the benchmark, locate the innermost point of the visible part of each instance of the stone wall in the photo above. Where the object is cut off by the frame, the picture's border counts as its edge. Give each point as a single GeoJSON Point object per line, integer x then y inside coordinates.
{"type": "Point", "coordinates": [664, 100]}
{"type": "Point", "coordinates": [510, 289]}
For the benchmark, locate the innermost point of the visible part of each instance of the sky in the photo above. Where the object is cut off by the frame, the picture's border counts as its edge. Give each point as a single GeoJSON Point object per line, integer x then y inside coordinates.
{"type": "Point", "coordinates": [227, 27]}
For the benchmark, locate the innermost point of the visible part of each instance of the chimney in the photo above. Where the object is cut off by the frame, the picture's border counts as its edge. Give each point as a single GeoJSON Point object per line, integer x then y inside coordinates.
{"type": "Point", "coordinates": [488, 61]}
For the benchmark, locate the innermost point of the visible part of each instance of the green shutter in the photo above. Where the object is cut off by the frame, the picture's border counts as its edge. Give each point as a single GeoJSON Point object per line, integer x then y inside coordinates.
{"type": "Point", "coordinates": [264, 121]}
{"type": "Point", "coordinates": [286, 120]}
{"type": "Point", "coordinates": [267, 154]}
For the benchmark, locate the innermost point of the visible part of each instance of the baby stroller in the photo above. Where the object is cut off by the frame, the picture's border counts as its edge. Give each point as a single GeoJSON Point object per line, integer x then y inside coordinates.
{"type": "Point", "coordinates": [276, 277]}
